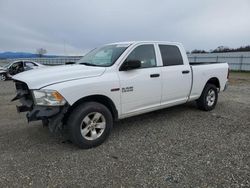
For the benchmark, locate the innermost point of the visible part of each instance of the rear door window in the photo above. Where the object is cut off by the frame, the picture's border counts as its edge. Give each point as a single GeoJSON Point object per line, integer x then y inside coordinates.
{"type": "Point", "coordinates": [171, 55]}
{"type": "Point", "coordinates": [30, 64]}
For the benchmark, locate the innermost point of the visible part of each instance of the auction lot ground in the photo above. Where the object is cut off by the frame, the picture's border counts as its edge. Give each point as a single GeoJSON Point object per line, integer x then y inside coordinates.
{"type": "Point", "coordinates": [176, 147]}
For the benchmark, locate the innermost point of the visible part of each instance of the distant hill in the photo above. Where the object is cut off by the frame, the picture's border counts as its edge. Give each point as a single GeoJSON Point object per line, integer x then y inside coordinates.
{"type": "Point", "coordinates": [12, 55]}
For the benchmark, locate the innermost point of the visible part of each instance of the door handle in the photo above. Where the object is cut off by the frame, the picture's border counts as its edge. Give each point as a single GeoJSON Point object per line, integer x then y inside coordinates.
{"type": "Point", "coordinates": [154, 75]}
{"type": "Point", "coordinates": [185, 72]}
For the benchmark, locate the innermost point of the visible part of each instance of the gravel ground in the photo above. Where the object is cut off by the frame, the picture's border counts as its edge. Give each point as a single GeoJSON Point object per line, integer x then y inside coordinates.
{"type": "Point", "coordinates": [176, 147]}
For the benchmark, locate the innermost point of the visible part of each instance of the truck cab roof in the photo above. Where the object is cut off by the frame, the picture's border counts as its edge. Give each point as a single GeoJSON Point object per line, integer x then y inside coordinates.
{"type": "Point", "coordinates": [151, 42]}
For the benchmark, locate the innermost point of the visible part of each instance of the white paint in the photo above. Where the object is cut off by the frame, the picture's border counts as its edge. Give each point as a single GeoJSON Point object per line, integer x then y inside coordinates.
{"type": "Point", "coordinates": [74, 82]}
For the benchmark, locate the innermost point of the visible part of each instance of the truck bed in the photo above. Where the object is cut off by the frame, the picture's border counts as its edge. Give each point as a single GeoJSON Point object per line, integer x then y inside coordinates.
{"type": "Point", "coordinates": [202, 71]}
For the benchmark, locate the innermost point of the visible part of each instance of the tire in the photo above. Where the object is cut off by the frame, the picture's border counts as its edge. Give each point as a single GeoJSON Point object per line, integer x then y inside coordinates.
{"type": "Point", "coordinates": [208, 98]}
{"type": "Point", "coordinates": [89, 124]}
{"type": "Point", "coordinates": [3, 77]}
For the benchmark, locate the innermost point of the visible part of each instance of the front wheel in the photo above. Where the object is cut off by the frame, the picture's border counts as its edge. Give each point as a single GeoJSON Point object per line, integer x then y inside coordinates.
{"type": "Point", "coordinates": [89, 124]}
{"type": "Point", "coordinates": [3, 77]}
{"type": "Point", "coordinates": [208, 98]}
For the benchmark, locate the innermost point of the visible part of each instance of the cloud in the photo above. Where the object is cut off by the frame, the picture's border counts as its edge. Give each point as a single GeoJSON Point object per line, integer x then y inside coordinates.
{"type": "Point", "coordinates": [72, 27]}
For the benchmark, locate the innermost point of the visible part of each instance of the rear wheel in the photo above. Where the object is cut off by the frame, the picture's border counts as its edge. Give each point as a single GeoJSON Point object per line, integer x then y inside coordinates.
{"type": "Point", "coordinates": [89, 124]}
{"type": "Point", "coordinates": [3, 77]}
{"type": "Point", "coordinates": [208, 98]}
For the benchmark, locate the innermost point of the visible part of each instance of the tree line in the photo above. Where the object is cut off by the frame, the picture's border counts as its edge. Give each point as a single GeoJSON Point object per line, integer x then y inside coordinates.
{"type": "Point", "coordinates": [221, 49]}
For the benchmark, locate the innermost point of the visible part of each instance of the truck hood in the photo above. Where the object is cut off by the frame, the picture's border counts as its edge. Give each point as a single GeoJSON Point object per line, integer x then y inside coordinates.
{"type": "Point", "coordinates": [39, 78]}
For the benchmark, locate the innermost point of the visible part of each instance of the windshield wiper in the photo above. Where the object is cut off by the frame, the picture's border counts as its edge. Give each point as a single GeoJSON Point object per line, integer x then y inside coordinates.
{"type": "Point", "coordinates": [87, 64]}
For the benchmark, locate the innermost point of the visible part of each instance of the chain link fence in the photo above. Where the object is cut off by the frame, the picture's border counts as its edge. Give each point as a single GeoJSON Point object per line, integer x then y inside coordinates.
{"type": "Point", "coordinates": [236, 61]}
{"type": "Point", "coordinates": [45, 61]}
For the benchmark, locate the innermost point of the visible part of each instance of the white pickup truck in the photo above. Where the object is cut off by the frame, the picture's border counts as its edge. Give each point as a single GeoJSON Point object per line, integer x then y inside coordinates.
{"type": "Point", "coordinates": [116, 81]}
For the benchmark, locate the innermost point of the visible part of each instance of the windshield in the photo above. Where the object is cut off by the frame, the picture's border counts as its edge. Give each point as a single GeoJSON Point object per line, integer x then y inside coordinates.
{"type": "Point", "coordinates": [6, 66]}
{"type": "Point", "coordinates": [104, 56]}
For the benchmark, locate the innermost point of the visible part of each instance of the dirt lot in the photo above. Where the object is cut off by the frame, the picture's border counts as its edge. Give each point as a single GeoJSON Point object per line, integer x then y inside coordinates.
{"type": "Point", "coordinates": [176, 147]}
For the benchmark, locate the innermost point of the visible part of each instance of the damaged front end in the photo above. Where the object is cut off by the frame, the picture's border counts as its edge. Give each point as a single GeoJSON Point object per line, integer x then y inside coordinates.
{"type": "Point", "coordinates": [51, 116]}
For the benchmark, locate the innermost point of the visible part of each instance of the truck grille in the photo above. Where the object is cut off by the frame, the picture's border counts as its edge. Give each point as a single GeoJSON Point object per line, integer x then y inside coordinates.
{"type": "Point", "coordinates": [24, 95]}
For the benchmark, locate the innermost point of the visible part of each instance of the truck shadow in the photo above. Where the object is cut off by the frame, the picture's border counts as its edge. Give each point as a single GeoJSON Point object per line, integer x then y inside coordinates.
{"type": "Point", "coordinates": [157, 116]}
{"type": "Point", "coordinates": [34, 135]}
{"type": "Point", "coordinates": [144, 121]}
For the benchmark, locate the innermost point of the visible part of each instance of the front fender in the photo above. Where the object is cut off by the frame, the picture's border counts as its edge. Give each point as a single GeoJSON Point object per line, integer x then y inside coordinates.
{"type": "Point", "coordinates": [75, 90]}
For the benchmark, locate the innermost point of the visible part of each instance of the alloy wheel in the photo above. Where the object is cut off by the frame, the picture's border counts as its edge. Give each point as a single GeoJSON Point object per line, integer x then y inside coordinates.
{"type": "Point", "coordinates": [93, 126]}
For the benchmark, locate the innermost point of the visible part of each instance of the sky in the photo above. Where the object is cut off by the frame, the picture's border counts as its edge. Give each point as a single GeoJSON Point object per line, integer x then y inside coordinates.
{"type": "Point", "coordinates": [72, 27]}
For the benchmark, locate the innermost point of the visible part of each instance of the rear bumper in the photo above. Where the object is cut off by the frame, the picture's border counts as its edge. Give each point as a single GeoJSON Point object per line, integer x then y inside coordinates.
{"type": "Point", "coordinates": [226, 86]}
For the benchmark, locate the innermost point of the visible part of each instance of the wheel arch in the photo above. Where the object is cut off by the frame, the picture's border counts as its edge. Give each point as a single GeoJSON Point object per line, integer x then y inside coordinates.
{"type": "Point", "coordinates": [102, 99]}
{"type": "Point", "coordinates": [4, 74]}
{"type": "Point", "coordinates": [215, 81]}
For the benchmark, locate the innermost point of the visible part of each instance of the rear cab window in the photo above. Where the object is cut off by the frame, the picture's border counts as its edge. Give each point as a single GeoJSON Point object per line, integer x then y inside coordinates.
{"type": "Point", "coordinates": [171, 55]}
{"type": "Point", "coordinates": [29, 64]}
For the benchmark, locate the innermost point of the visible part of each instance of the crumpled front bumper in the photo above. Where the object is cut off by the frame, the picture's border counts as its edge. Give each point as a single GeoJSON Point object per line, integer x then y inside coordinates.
{"type": "Point", "coordinates": [51, 115]}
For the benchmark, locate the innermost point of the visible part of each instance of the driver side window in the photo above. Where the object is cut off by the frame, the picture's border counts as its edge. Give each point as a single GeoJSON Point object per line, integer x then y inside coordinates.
{"type": "Point", "coordinates": [145, 54]}
{"type": "Point", "coordinates": [14, 65]}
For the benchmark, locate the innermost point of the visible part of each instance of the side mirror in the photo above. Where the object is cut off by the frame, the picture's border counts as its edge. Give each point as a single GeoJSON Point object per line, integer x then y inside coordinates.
{"type": "Point", "coordinates": [131, 64]}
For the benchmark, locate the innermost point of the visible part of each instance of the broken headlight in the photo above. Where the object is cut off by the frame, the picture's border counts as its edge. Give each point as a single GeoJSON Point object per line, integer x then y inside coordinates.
{"type": "Point", "coordinates": [48, 98]}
